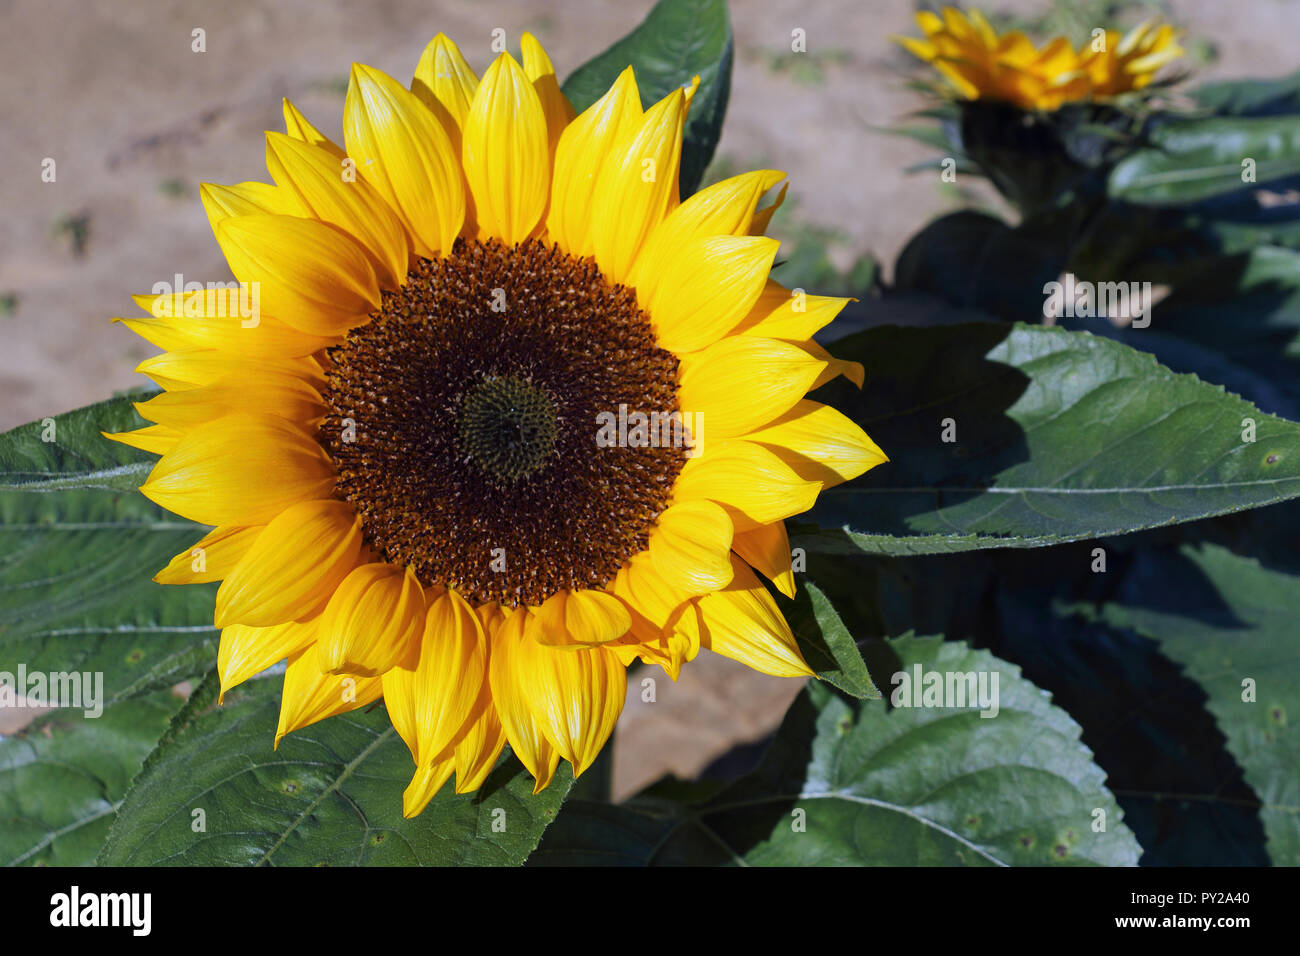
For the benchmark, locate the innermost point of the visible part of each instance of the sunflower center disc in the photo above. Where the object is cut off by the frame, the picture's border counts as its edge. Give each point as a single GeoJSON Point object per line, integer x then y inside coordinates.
{"type": "Point", "coordinates": [507, 426]}
{"type": "Point", "coordinates": [464, 416]}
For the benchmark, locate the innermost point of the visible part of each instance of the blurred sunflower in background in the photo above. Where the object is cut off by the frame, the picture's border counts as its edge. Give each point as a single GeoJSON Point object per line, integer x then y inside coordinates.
{"type": "Point", "coordinates": [407, 456]}
{"type": "Point", "coordinates": [979, 63]}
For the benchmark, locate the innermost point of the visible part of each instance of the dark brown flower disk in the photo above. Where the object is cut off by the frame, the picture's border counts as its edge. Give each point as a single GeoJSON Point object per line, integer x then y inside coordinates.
{"type": "Point", "coordinates": [475, 416]}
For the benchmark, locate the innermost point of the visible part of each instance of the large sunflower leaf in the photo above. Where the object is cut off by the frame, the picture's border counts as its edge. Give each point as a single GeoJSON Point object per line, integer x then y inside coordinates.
{"type": "Point", "coordinates": [1231, 623]}
{"type": "Point", "coordinates": [1182, 353]}
{"type": "Point", "coordinates": [1271, 97]}
{"type": "Point", "coordinates": [63, 776]}
{"type": "Point", "coordinates": [1058, 436]}
{"type": "Point", "coordinates": [677, 40]}
{"type": "Point", "coordinates": [78, 549]}
{"type": "Point", "coordinates": [858, 783]}
{"type": "Point", "coordinates": [1190, 160]}
{"type": "Point", "coordinates": [1246, 309]}
{"type": "Point", "coordinates": [216, 793]}
{"type": "Point", "coordinates": [1143, 717]}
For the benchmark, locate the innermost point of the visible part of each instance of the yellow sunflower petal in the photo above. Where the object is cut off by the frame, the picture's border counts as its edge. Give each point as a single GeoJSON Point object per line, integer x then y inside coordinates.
{"type": "Point", "coordinates": [266, 338]}
{"type": "Point", "coordinates": [707, 285]}
{"type": "Point", "coordinates": [835, 367]}
{"type": "Point", "coordinates": [750, 481]}
{"type": "Point", "coordinates": [929, 22]}
{"type": "Point", "coordinates": [292, 569]}
{"type": "Point", "coordinates": [424, 786]}
{"type": "Point", "coordinates": [955, 22]}
{"type": "Point", "coordinates": [248, 199]}
{"type": "Point", "coordinates": [155, 439]}
{"type": "Point", "coordinates": [322, 186]}
{"type": "Point", "coordinates": [310, 695]}
{"type": "Point", "coordinates": [723, 209]}
{"type": "Point", "coordinates": [403, 150]}
{"type": "Point", "coordinates": [649, 593]}
{"type": "Point", "coordinates": [537, 67]}
{"type": "Point", "coordinates": [982, 26]}
{"type": "Point", "coordinates": [512, 658]}
{"type": "Point", "coordinates": [762, 218]}
{"type": "Point", "coordinates": [691, 545]}
{"type": "Point", "coordinates": [790, 314]}
{"type": "Point", "coordinates": [743, 622]}
{"type": "Point", "coordinates": [505, 152]}
{"type": "Point", "coordinates": [240, 470]}
{"type": "Point", "coordinates": [445, 83]}
{"type": "Point", "coordinates": [439, 693]}
{"type": "Point", "coordinates": [399, 701]}
{"type": "Point", "coordinates": [683, 641]}
{"type": "Point", "coordinates": [177, 371]}
{"type": "Point", "coordinates": [296, 125]}
{"type": "Point", "coordinates": [211, 558]}
{"type": "Point", "coordinates": [247, 651]}
{"type": "Point", "coordinates": [372, 622]}
{"type": "Point", "coordinates": [1152, 61]}
{"type": "Point", "coordinates": [583, 149]}
{"type": "Point", "coordinates": [637, 186]}
{"type": "Point", "coordinates": [581, 617]}
{"type": "Point", "coordinates": [492, 617]}
{"type": "Point", "coordinates": [669, 649]}
{"type": "Point", "coordinates": [1131, 39]}
{"type": "Point", "coordinates": [576, 697]}
{"type": "Point", "coordinates": [918, 48]}
{"type": "Point", "coordinates": [287, 396]}
{"type": "Point", "coordinates": [477, 751]}
{"type": "Point", "coordinates": [820, 443]}
{"type": "Point", "coordinates": [743, 382]}
{"type": "Point", "coordinates": [311, 276]}
{"type": "Point", "coordinates": [767, 549]}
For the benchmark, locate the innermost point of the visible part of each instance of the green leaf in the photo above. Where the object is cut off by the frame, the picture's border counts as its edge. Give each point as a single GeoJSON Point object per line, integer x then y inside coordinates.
{"type": "Point", "coordinates": [63, 776]}
{"type": "Point", "coordinates": [1230, 621]}
{"type": "Point", "coordinates": [857, 783]}
{"type": "Point", "coordinates": [589, 833]}
{"type": "Point", "coordinates": [1252, 97]}
{"type": "Point", "coordinates": [1145, 722]}
{"type": "Point", "coordinates": [1194, 159]}
{"type": "Point", "coordinates": [330, 795]}
{"type": "Point", "coordinates": [1182, 353]}
{"type": "Point", "coordinates": [1247, 310]}
{"type": "Point", "coordinates": [677, 40]}
{"type": "Point", "coordinates": [78, 549]}
{"type": "Point", "coordinates": [826, 643]}
{"type": "Point", "coordinates": [1171, 244]}
{"type": "Point", "coordinates": [1060, 436]}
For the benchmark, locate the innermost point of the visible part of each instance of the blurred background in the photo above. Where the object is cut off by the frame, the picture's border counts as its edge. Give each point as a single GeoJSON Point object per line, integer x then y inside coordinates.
{"type": "Point", "coordinates": [135, 121]}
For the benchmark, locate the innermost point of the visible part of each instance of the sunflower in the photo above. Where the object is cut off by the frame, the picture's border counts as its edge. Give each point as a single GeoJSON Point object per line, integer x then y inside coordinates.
{"type": "Point", "coordinates": [507, 416]}
{"type": "Point", "coordinates": [978, 63]}
{"type": "Point", "coordinates": [1129, 62]}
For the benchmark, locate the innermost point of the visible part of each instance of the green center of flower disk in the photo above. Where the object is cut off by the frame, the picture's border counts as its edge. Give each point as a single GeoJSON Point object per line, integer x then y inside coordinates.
{"type": "Point", "coordinates": [507, 427]}
{"type": "Point", "coordinates": [463, 418]}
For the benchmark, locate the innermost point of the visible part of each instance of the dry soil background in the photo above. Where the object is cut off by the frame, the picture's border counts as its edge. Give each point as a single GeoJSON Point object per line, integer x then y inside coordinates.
{"type": "Point", "coordinates": [135, 120]}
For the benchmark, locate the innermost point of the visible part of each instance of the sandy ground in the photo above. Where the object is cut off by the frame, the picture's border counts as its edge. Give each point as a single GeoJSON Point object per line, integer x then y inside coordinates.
{"type": "Point", "coordinates": [135, 120]}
